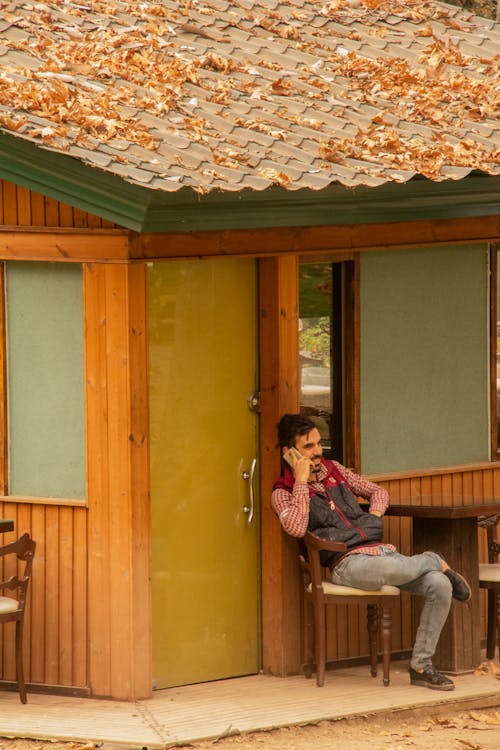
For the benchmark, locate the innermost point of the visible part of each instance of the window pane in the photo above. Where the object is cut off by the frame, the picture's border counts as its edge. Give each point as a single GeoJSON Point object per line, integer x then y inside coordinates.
{"type": "Point", "coordinates": [315, 324]}
{"type": "Point", "coordinates": [45, 380]}
{"type": "Point", "coordinates": [424, 358]}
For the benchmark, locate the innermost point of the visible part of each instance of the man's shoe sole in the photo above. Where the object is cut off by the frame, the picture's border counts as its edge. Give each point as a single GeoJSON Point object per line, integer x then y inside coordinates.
{"type": "Point", "coordinates": [452, 574]}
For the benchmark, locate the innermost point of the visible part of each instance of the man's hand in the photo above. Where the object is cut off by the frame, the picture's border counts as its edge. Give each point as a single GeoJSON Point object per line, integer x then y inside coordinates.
{"type": "Point", "coordinates": [375, 513]}
{"type": "Point", "coordinates": [302, 469]}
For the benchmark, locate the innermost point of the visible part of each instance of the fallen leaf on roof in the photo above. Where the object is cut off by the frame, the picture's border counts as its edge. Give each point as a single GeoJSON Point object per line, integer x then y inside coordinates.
{"type": "Point", "coordinates": [280, 178]}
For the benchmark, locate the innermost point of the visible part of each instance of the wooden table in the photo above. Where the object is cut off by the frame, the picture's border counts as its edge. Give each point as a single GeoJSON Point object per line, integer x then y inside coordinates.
{"type": "Point", "coordinates": [6, 524]}
{"type": "Point", "coordinates": [451, 530]}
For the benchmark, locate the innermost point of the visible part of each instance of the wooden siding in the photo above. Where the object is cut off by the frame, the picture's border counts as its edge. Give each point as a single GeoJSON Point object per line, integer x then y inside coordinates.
{"type": "Point", "coordinates": [337, 239]}
{"type": "Point", "coordinates": [88, 620]}
{"type": "Point", "coordinates": [22, 207]}
{"type": "Point", "coordinates": [56, 634]}
{"type": "Point", "coordinates": [447, 486]}
{"type": "Point", "coordinates": [278, 313]}
{"type": "Point", "coordinates": [118, 480]}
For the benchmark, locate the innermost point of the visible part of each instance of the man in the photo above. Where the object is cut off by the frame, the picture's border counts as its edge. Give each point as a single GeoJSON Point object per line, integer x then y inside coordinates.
{"type": "Point", "coordinates": [318, 495]}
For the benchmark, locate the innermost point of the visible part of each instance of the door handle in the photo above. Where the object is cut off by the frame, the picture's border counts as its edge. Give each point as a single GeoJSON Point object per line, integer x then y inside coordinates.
{"type": "Point", "coordinates": [249, 476]}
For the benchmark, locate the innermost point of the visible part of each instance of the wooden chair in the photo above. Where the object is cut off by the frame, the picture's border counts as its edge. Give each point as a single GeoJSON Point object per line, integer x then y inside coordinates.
{"type": "Point", "coordinates": [489, 578]}
{"type": "Point", "coordinates": [12, 609]}
{"type": "Point", "coordinates": [318, 593]}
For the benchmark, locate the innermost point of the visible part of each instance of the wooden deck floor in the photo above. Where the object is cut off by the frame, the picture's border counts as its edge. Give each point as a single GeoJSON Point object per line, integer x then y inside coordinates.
{"type": "Point", "coordinates": [210, 710]}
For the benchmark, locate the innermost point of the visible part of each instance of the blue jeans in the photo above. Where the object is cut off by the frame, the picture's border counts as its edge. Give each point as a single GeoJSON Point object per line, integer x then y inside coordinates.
{"type": "Point", "coordinates": [418, 574]}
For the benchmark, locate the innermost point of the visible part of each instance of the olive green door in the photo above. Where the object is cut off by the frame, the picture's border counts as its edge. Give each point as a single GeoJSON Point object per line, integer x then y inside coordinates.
{"type": "Point", "coordinates": [203, 368]}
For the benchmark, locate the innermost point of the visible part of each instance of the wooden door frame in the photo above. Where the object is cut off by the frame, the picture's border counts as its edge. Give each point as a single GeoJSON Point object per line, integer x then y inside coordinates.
{"type": "Point", "coordinates": [279, 385]}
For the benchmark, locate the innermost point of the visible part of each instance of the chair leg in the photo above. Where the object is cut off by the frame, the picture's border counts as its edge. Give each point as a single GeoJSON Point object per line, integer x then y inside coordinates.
{"type": "Point", "coordinates": [497, 601]}
{"type": "Point", "coordinates": [491, 635]}
{"type": "Point", "coordinates": [320, 641]}
{"type": "Point", "coordinates": [372, 627]}
{"type": "Point", "coordinates": [19, 661]}
{"type": "Point", "coordinates": [386, 642]}
{"type": "Point", "coordinates": [308, 638]}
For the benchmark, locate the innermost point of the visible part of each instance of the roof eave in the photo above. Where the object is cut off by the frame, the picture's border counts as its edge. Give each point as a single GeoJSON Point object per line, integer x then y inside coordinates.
{"type": "Point", "coordinates": [143, 209]}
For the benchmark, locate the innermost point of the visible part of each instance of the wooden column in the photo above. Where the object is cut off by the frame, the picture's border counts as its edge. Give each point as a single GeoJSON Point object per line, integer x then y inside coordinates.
{"type": "Point", "coordinates": [118, 480]}
{"type": "Point", "coordinates": [279, 353]}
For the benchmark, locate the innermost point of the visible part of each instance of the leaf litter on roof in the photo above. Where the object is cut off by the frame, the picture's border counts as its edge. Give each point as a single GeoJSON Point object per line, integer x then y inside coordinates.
{"type": "Point", "coordinates": [248, 75]}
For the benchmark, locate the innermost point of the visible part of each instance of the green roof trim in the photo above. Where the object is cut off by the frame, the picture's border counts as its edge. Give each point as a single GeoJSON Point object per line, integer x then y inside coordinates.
{"type": "Point", "coordinates": [66, 179]}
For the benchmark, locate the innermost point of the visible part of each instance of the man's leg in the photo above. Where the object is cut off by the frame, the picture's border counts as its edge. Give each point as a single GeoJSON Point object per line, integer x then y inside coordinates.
{"type": "Point", "coordinates": [436, 589]}
{"type": "Point", "coordinates": [418, 574]}
{"type": "Point", "coordinates": [373, 571]}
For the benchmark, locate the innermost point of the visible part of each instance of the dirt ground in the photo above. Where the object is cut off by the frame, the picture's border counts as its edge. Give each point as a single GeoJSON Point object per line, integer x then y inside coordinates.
{"type": "Point", "coordinates": [477, 729]}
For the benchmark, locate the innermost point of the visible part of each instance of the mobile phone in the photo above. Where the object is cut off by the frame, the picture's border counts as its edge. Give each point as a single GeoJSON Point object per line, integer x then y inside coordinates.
{"type": "Point", "coordinates": [292, 456]}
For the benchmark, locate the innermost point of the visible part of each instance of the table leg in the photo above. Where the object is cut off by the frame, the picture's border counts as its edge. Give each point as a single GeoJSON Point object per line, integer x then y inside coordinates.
{"type": "Point", "coordinates": [456, 540]}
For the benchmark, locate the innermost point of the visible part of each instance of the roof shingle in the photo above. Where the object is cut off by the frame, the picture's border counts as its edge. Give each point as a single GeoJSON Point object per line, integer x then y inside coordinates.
{"type": "Point", "coordinates": [215, 95]}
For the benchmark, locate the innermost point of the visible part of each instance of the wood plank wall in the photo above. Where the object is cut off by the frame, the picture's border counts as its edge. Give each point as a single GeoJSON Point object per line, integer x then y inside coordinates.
{"type": "Point", "coordinates": [56, 633]}
{"type": "Point", "coordinates": [118, 480]}
{"type": "Point", "coordinates": [20, 206]}
{"type": "Point", "coordinates": [88, 619]}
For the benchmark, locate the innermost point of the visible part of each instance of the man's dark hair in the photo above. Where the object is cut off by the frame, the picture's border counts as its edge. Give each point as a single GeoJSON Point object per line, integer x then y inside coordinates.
{"type": "Point", "coordinates": [291, 426]}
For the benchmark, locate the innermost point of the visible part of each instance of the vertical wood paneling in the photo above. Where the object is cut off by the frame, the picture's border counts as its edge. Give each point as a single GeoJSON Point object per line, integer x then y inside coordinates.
{"type": "Point", "coordinates": [56, 630]}
{"type": "Point", "coordinates": [37, 210]}
{"type": "Point", "coordinates": [52, 595]}
{"type": "Point", "coordinates": [51, 617]}
{"type": "Point", "coordinates": [79, 603]}
{"type": "Point", "coordinates": [97, 469]}
{"type": "Point", "coordinates": [40, 582]}
{"type": "Point", "coordinates": [51, 212]}
{"type": "Point", "coordinates": [65, 614]}
{"type": "Point", "coordinates": [278, 332]}
{"type": "Point", "coordinates": [3, 387]}
{"type": "Point", "coordinates": [140, 479]}
{"type": "Point", "coordinates": [22, 207]}
{"type": "Point", "coordinates": [117, 475]}
{"type": "Point", "coordinates": [10, 213]}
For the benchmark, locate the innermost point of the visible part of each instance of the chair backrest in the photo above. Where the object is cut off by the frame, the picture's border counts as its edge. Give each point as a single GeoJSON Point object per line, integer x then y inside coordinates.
{"type": "Point", "coordinates": [490, 523]}
{"type": "Point", "coordinates": [24, 549]}
{"type": "Point", "coordinates": [310, 547]}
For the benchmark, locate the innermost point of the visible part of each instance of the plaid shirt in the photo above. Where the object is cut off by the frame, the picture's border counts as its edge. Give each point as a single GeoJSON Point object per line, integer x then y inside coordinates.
{"type": "Point", "coordinates": [292, 508]}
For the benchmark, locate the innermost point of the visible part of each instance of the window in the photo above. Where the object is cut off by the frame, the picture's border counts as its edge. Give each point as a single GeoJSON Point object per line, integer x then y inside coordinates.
{"type": "Point", "coordinates": [325, 323]}
{"type": "Point", "coordinates": [45, 389]}
{"type": "Point", "coordinates": [495, 351]}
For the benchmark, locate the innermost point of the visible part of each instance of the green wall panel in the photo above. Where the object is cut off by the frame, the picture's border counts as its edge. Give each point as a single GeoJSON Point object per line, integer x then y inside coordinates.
{"type": "Point", "coordinates": [45, 380]}
{"type": "Point", "coordinates": [424, 358]}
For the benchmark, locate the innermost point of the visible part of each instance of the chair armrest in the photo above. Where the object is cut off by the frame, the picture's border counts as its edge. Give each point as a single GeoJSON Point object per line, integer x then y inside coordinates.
{"type": "Point", "coordinates": [316, 542]}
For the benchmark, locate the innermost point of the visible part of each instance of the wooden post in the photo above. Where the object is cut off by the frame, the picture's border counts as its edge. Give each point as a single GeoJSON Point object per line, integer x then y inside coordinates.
{"type": "Point", "coordinates": [278, 308]}
{"type": "Point", "coordinates": [118, 480]}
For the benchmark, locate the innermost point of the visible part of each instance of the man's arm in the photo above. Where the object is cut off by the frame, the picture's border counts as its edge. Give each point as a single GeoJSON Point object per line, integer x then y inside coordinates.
{"type": "Point", "coordinates": [292, 508]}
{"type": "Point", "coordinates": [378, 497]}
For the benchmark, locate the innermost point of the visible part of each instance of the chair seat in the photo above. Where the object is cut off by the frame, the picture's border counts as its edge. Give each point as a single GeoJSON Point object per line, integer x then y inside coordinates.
{"type": "Point", "coordinates": [334, 589]}
{"type": "Point", "coordinates": [489, 573]}
{"type": "Point", "coordinates": [8, 604]}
